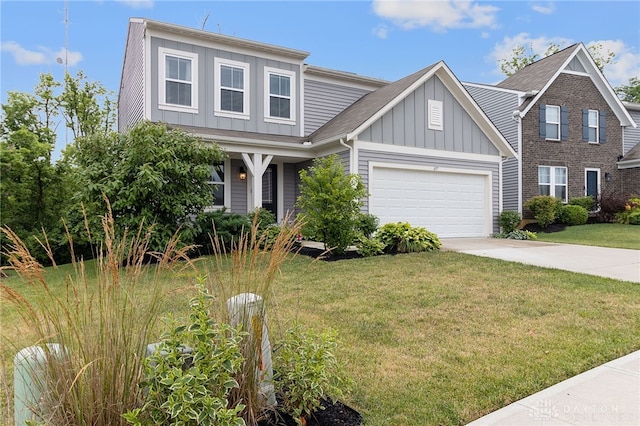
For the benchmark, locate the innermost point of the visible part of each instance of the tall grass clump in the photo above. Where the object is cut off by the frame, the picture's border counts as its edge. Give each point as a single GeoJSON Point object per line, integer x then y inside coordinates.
{"type": "Point", "coordinates": [103, 321]}
{"type": "Point", "coordinates": [251, 267]}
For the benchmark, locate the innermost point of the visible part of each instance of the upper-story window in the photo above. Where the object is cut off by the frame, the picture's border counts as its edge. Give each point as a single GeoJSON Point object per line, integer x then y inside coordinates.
{"type": "Point", "coordinates": [593, 126]}
{"type": "Point", "coordinates": [554, 122]}
{"type": "Point", "coordinates": [178, 80]}
{"type": "Point", "coordinates": [231, 88]}
{"type": "Point", "coordinates": [279, 105]}
{"type": "Point", "coordinates": [435, 115]}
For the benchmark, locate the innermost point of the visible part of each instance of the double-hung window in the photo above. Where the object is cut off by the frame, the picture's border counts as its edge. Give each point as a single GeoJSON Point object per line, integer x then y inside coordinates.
{"type": "Point", "coordinates": [279, 102]}
{"type": "Point", "coordinates": [553, 181]}
{"type": "Point", "coordinates": [553, 122]}
{"type": "Point", "coordinates": [231, 84]}
{"type": "Point", "coordinates": [593, 126]}
{"type": "Point", "coordinates": [218, 186]}
{"type": "Point", "coordinates": [177, 80]}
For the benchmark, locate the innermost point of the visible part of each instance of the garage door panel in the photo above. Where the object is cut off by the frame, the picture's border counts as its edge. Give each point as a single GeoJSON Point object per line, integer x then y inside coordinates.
{"type": "Point", "coordinates": [449, 204]}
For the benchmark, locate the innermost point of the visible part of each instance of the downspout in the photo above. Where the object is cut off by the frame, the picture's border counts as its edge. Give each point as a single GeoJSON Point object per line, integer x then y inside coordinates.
{"type": "Point", "coordinates": [351, 165]}
{"type": "Point", "coordinates": [518, 119]}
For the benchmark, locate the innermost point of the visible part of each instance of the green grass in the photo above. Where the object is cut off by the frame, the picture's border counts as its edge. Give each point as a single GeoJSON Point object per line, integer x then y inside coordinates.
{"type": "Point", "coordinates": [600, 234]}
{"type": "Point", "coordinates": [440, 338]}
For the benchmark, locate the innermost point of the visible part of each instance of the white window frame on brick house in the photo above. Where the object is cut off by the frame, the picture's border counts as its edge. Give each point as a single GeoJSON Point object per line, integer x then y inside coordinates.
{"type": "Point", "coordinates": [276, 94]}
{"type": "Point", "coordinates": [236, 87]}
{"type": "Point", "coordinates": [435, 113]}
{"type": "Point", "coordinates": [552, 124]}
{"type": "Point", "coordinates": [552, 181]}
{"type": "Point", "coordinates": [190, 79]}
{"type": "Point", "coordinates": [594, 126]}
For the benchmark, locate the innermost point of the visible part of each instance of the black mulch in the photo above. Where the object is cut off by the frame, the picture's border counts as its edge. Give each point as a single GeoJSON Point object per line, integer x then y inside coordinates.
{"type": "Point", "coordinates": [554, 227]}
{"type": "Point", "coordinates": [334, 414]}
{"type": "Point", "coordinates": [324, 255]}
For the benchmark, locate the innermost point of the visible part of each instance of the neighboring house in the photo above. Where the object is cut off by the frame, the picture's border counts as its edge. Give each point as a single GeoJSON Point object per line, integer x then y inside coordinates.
{"type": "Point", "coordinates": [568, 127]}
{"type": "Point", "coordinates": [427, 152]}
{"type": "Point", "coordinates": [629, 163]}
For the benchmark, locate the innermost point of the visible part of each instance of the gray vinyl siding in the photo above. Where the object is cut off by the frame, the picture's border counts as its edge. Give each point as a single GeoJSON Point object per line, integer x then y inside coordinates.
{"type": "Point", "coordinates": [631, 136]}
{"type": "Point", "coordinates": [206, 88]}
{"type": "Point", "coordinates": [498, 105]}
{"type": "Point", "coordinates": [510, 199]}
{"type": "Point", "coordinates": [323, 101]}
{"type": "Point", "coordinates": [290, 184]}
{"type": "Point", "coordinates": [575, 65]}
{"type": "Point", "coordinates": [406, 124]}
{"type": "Point", "coordinates": [238, 189]}
{"type": "Point", "coordinates": [367, 156]}
{"type": "Point", "coordinates": [131, 96]}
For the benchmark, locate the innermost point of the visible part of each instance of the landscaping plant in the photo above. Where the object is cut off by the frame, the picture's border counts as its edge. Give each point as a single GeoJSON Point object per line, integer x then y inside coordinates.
{"type": "Point", "coordinates": [574, 215]}
{"type": "Point", "coordinates": [509, 220]}
{"type": "Point", "coordinates": [544, 208]}
{"type": "Point", "coordinates": [587, 202]}
{"type": "Point", "coordinates": [401, 237]}
{"type": "Point", "coordinates": [631, 213]}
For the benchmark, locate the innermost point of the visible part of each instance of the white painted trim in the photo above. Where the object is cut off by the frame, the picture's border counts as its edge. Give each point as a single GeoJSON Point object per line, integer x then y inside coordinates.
{"type": "Point", "coordinates": [592, 169]}
{"type": "Point", "coordinates": [246, 90]}
{"type": "Point", "coordinates": [291, 121]}
{"type": "Point", "coordinates": [280, 190]}
{"type": "Point", "coordinates": [435, 115]}
{"type": "Point", "coordinates": [559, 123]}
{"type": "Point", "coordinates": [147, 75]}
{"type": "Point", "coordinates": [487, 174]}
{"type": "Point", "coordinates": [519, 157]}
{"type": "Point", "coordinates": [226, 188]}
{"type": "Point", "coordinates": [163, 52]}
{"type": "Point", "coordinates": [580, 73]}
{"type": "Point", "coordinates": [425, 152]}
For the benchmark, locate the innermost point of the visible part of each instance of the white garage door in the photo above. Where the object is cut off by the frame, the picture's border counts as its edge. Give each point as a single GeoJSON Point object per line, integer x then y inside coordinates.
{"type": "Point", "coordinates": [448, 204]}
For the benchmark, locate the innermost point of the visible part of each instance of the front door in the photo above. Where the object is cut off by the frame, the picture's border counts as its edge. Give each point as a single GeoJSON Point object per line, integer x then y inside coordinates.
{"type": "Point", "coordinates": [269, 185]}
{"type": "Point", "coordinates": [592, 183]}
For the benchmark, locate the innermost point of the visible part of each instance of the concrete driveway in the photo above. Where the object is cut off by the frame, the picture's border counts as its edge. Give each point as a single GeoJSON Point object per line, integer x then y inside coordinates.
{"type": "Point", "coordinates": [621, 264]}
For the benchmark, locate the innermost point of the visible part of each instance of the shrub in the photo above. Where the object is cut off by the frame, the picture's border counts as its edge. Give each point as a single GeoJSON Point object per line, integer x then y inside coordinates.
{"type": "Point", "coordinates": [574, 215]}
{"type": "Point", "coordinates": [401, 237]}
{"type": "Point", "coordinates": [227, 226]}
{"type": "Point", "coordinates": [330, 201]}
{"type": "Point", "coordinates": [611, 203]}
{"type": "Point", "coordinates": [509, 220]}
{"type": "Point", "coordinates": [631, 213]}
{"type": "Point", "coordinates": [306, 372]}
{"type": "Point", "coordinates": [368, 247]}
{"type": "Point", "coordinates": [544, 208]}
{"type": "Point", "coordinates": [587, 202]}
{"type": "Point", "coordinates": [367, 224]}
{"type": "Point", "coordinates": [191, 372]}
{"type": "Point", "coordinates": [264, 217]}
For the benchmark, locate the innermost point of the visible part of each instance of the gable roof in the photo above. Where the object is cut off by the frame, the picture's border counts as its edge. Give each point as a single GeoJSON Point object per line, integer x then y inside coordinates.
{"type": "Point", "coordinates": [536, 78]}
{"type": "Point", "coordinates": [631, 159]}
{"type": "Point", "coordinates": [365, 111]}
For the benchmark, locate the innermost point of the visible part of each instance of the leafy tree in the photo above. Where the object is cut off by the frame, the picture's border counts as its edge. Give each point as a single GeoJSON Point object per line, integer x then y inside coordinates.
{"type": "Point", "coordinates": [331, 202]}
{"type": "Point", "coordinates": [150, 175]}
{"type": "Point", "coordinates": [523, 56]}
{"type": "Point", "coordinates": [630, 92]}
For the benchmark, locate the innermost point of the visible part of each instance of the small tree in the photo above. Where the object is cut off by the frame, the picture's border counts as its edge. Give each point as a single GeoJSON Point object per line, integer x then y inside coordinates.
{"type": "Point", "coordinates": [630, 92]}
{"type": "Point", "coordinates": [331, 201]}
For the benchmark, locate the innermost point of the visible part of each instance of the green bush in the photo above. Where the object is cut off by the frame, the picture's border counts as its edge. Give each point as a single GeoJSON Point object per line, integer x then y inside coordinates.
{"type": "Point", "coordinates": [191, 373]}
{"type": "Point", "coordinates": [544, 208]}
{"type": "Point", "coordinates": [574, 215]}
{"type": "Point", "coordinates": [587, 202]}
{"type": "Point", "coordinates": [518, 234]}
{"type": "Point", "coordinates": [264, 217]}
{"type": "Point", "coordinates": [509, 220]}
{"type": "Point", "coordinates": [228, 226]}
{"type": "Point", "coordinates": [631, 213]}
{"type": "Point", "coordinates": [367, 224]}
{"type": "Point", "coordinates": [306, 372]}
{"type": "Point", "coordinates": [368, 247]}
{"type": "Point", "coordinates": [401, 237]}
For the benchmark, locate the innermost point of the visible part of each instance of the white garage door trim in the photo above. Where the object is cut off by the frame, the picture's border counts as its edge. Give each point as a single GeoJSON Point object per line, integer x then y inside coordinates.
{"type": "Point", "coordinates": [487, 204]}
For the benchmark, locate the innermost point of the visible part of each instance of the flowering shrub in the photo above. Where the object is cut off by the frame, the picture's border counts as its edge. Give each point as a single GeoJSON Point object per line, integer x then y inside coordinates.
{"type": "Point", "coordinates": [631, 213]}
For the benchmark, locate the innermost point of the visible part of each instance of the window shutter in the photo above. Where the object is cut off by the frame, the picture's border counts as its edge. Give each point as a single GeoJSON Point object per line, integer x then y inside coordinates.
{"type": "Point", "coordinates": [543, 121]}
{"type": "Point", "coordinates": [564, 123]}
{"type": "Point", "coordinates": [585, 125]}
{"type": "Point", "coordinates": [603, 126]}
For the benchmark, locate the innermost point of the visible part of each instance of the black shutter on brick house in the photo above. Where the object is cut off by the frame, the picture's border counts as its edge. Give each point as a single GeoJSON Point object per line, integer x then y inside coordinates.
{"type": "Point", "coordinates": [543, 121]}
{"type": "Point", "coordinates": [602, 122]}
{"type": "Point", "coordinates": [564, 123]}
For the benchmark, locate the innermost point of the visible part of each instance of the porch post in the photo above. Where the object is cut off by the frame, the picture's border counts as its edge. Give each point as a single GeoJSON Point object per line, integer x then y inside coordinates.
{"type": "Point", "coordinates": [256, 167]}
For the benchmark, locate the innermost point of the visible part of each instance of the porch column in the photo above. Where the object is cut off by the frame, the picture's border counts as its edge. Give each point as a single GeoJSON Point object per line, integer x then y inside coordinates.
{"type": "Point", "coordinates": [256, 166]}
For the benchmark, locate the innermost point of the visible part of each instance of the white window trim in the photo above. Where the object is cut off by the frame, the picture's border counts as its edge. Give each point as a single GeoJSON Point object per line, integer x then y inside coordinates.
{"type": "Point", "coordinates": [552, 181]}
{"type": "Point", "coordinates": [435, 114]}
{"type": "Point", "coordinates": [268, 71]}
{"type": "Point", "coordinates": [218, 62]}
{"type": "Point", "coordinates": [597, 126]}
{"type": "Point", "coordinates": [586, 172]}
{"type": "Point", "coordinates": [226, 187]}
{"type": "Point", "coordinates": [558, 123]}
{"type": "Point", "coordinates": [163, 52]}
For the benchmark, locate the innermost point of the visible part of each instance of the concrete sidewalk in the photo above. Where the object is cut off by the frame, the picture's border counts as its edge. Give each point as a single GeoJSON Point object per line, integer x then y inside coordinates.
{"type": "Point", "coordinates": [608, 395]}
{"type": "Point", "coordinates": [621, 264]}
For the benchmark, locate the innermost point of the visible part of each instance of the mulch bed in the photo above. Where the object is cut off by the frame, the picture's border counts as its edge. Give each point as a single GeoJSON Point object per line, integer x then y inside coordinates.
{"type": "Point", "coordinates": [324, 255]}
{"type": "Point", "coordinates": [554, 227]}
{"type": "Point", "coordinates": [334, 414]}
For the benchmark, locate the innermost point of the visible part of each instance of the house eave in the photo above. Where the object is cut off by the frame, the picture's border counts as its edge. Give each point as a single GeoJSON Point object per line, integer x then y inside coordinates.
{"type": "Point", "coordinates": [629, 164]}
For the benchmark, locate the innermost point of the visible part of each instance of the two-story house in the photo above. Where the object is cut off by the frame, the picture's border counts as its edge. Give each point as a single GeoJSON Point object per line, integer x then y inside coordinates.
{"type": "Point", "coordinates": [427, 152]}
{"type": "Point", "coordinates": [567, 125]}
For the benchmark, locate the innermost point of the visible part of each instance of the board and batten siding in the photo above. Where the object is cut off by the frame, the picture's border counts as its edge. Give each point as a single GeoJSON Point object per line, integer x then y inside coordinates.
{"type": "Point", "coordinates": [131, 96]}
{"type": "Point", "coordinates": [367, 156]}
{"type": "Point", "coordinates": [238, 189]}
{"type": "Point", "coordinates": [207, 73]}
{"type": "Point", "coordinates": [323, 101]}
{"type": "Point", "coordinates": [406, 124]}
{"type": "Point", "coordinates": [631, 136]}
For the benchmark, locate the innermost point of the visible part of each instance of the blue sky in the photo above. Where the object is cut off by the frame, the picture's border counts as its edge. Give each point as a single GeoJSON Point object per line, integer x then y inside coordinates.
{"type": "Point", "coordinates": [384, 39]}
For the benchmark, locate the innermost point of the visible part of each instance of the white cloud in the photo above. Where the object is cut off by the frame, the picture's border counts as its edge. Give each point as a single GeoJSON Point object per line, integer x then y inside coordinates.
{"type": "Point", "coordinates": [544, 8]}
{"type": "Point", "coordinates": [137, 4]}
{"type": "Point", "coordinates": [381, 31]}
{"type": "Point", "coordinates": [42, 56]}
{"type": "Point", "coordinates": [440, 15]}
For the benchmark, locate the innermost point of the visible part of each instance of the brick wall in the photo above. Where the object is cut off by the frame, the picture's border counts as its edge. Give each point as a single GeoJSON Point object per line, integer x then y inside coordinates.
{"type": "Point", "coordinates": [576, 93]}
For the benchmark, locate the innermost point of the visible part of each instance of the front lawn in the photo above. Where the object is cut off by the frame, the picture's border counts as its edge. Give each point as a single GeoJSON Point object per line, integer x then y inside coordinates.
{"type": "Point", "coordinates": [436, 338]}
{"type": "Point", "coordinates": [597, 234]}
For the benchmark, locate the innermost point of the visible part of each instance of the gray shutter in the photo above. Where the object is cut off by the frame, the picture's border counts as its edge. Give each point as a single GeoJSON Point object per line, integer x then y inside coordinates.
{"type": "Point", "coordinates": [603, 126]}
{"type": "Point", "coordinates": [585, 125]}
{"type": "Point", "coordinates": [564, 123]}
{"type": "Point", "coordinates": [543, 121]}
